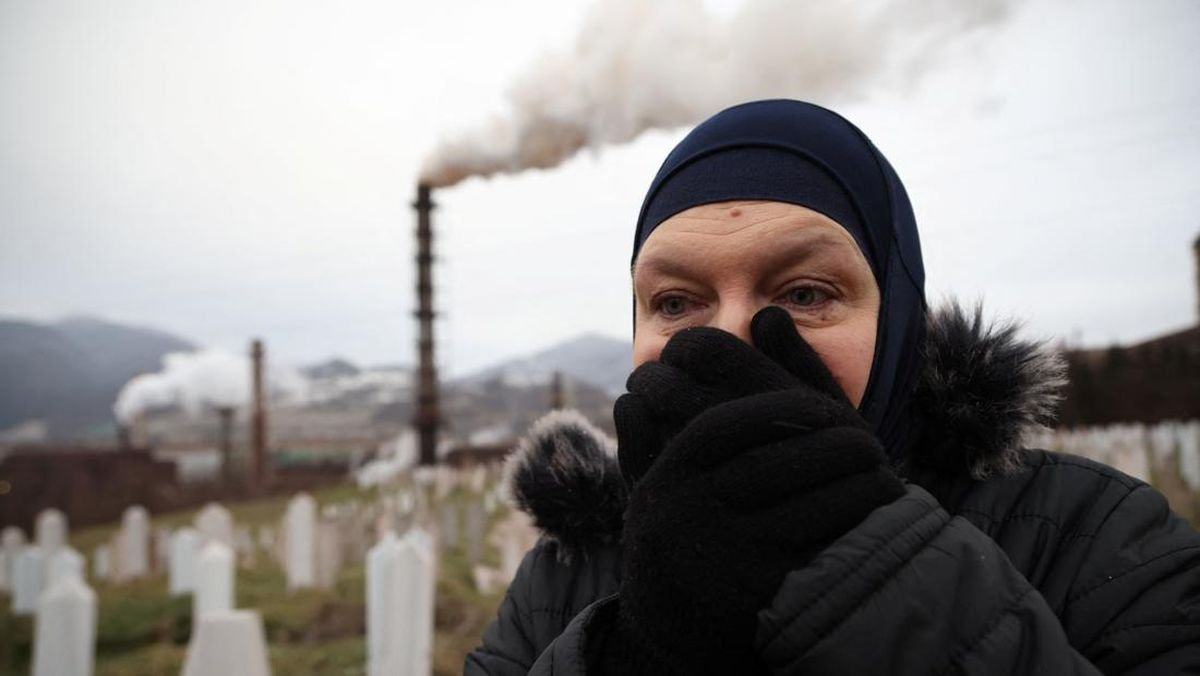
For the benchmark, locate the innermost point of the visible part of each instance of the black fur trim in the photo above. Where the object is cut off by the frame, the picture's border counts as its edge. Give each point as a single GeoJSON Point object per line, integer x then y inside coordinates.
{"type": "Point", "coordinates": [564, 474]}
{"type": "Point", "coordinates": [983, 390]}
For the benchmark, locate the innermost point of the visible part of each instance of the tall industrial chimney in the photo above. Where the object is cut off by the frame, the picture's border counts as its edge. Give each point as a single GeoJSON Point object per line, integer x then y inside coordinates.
{"type": "Point", "coordinates": [258, 420]}
{"type": "Point", "coordinates": [428, 416]}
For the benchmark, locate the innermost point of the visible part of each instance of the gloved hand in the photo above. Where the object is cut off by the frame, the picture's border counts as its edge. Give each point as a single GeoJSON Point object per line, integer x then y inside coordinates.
{"type": "Point", "coordinates": [769, 466]}
{"type": "Point", "coordinates": [702, 367]}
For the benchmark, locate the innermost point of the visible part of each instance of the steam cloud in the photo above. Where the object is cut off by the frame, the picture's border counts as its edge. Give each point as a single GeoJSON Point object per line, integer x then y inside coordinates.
{"type": "Point", "coordinates": [639, 65]}
{"type": "Point", "coordinates": [194, 381]}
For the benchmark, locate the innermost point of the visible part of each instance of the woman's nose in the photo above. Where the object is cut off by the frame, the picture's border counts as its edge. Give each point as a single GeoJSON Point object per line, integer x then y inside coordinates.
{"type": "Point", "coordinates": [735, 318]}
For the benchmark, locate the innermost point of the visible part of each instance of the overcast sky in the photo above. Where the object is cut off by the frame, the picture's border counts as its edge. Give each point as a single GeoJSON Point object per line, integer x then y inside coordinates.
{"type": "Point", "coordinates": [229, 169]}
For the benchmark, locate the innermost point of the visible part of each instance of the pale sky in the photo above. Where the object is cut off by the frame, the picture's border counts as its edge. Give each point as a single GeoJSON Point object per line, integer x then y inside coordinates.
{"type": "Point", "coordinates": [230, 169]}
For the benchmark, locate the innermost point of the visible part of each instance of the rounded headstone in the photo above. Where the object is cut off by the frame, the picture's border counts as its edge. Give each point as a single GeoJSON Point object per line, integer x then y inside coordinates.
{"type": "Point", "coordinates": [51, 530]}
{"type": "Point", "coordinates": [135, 543]}
{"type": "Point", "coordinates": [102, 563]}
{"type": "Point", "coordinates": [11, 541]}
{"type": "Point", "coordinates": [65, 634]}
{"type": "Point", "coordinates": [214, 581]}
{"type": "Point", "coordinates": [301, 521]}
{"type": "Point", "coordinates": [183, 553]}
{"type": "Point", "coordinates": [214, 522]}
{"type": "Point", "coordinates": [29, 579]}
{"type": "Point", "coordinates": [65, 562]}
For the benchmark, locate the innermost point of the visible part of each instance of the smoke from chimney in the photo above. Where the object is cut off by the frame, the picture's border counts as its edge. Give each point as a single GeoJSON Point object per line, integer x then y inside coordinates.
{"type": "Point", "coordinates": [637, 66]}
{"type": "Point", "coordinates": [197, 380]}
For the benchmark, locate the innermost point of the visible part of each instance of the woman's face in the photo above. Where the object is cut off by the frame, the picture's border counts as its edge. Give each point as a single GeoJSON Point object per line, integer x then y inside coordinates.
{"type": "Point", "coordinates": [719, 264]}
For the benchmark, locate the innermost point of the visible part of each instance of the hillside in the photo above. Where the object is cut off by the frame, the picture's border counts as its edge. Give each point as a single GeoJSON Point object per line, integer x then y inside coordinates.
{"type": "Point", "coordinates": [599, 361]}
{"type": "Point", "coordinates": [68, 373]}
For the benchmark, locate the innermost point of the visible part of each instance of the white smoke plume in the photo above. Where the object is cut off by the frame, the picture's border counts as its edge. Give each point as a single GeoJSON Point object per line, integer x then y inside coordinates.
{"type": "Point", "coordinates": [195, 381]}
{"type": "Point", "coordinates": [639, 65]}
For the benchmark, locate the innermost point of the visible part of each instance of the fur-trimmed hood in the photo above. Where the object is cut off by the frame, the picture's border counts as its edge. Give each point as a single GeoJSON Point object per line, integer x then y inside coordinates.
{"type": "Point", "coordinates": [982, 391]}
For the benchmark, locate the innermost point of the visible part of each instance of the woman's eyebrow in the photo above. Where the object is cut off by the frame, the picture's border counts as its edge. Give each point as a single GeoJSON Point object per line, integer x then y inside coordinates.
{"type": "Point", "coordinates": [788, 251]}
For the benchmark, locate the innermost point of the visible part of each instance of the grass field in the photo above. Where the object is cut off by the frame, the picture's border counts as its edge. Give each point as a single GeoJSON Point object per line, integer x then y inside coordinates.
{"type": "Point", "coordinates": [142, 631]}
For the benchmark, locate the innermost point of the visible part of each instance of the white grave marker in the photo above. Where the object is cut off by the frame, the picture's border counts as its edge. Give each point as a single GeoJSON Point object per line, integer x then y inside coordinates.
{"type": "Point", "coordinates": [162, 549]}
{"type": "Point", "coordinates": [51, 529]}
{"type": "Point", "coordinates": [29, 579]}
{"type": "Point", "coordinates": [228, 643]}
{"type": "Point", "coordinates": [182, 560]}
{"type": "Point", "coordinates": [400, 590]}
{"type": "Point", "coordinates": [301, 520]}
{"type": "Point", "coordinates": [102, 563]}
{"type": "Point", "coordinates": [329, 553]}
{"type": "Point", "coordinates": [11, 541]}
{"type": "Point", "coordinates": [65, 635]}
{"type": "Point", "coordinates": [214, 581]}
{"type": "Point", "coordinates": [63, 563]}
{"type": "Point", "coordinates": [135, 544]}
{"type": "Point", "coordinates": [215, 523]}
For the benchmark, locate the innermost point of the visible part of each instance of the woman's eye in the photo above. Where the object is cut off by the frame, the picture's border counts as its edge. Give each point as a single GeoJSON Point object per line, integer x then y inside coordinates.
{"type": "Point", "coordinates": [804, 296]}
{"type": "Point", "coordinates": [673, 306]}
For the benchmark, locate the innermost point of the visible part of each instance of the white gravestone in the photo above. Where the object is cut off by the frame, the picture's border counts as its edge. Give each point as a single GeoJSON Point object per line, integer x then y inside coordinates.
{"type": "Point", "coordinates": [406, 503]}
{"type": "Point", "coordinates": [356, 539]}
{"type": "Point", "coordinates": [266, 538]}
{"type": "Point", "coordinates": [449, 525]}
{"type": "Point", "coordinates": [65, 635]}
{"type": "Point", "coordinates": [247, 552]}
{"type": "Point", "coordinates": [162, 549]}
{"type": "Point", "coordinates": [11, 541]}
{"type": "Point", "coordinates": [114, 556]}
{"type": "Point", "coordinates": [444, 481]}
{"type": "Point", "coordinates": [51, 530]}
{"type": "Point", "coordinates": [102, 563]}
{"type": "Point", "coordinates": [1189, 454]}
{"type": "Point", "coordinates": [329, 552]}
{"type": "Point", "coordinates": [400, 590]}
{"type": "Point", "coordinates": [476, 524]}
{"type": "Point", "coordinates": [215, 523]}
{"type": "Point", "coordinates": [301, 537]}
{"type": "Point", "coordinates": [478, 479]}
{"type": "Point", "coordinates": [228, 643]}
{"type": "Point", "coordinates": [135, 543]}
{"type": "Point", "coordinates": [381, 561]}
{"type": "Point", "coordinates": [64, 563]}
{"type": "Point", "coordinates": [29, 579]}
{"type": "Point", "coordinates": [214, 581]}
{"type": "Point", "coordinates": [183, 553]}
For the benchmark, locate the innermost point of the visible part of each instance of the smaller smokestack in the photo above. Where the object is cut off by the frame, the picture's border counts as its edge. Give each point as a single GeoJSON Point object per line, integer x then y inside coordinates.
{"type": "Point", "coordinates": [558, 393]}
{"type": "Point", "coordinates": [258, 419]}
{"type": "Point", "coordinates": [123, 437]}
{"type": "Point", "coordinates": [137, 431]}
{"type": "Point", "coordinates": [1196, 256]}
{"type": "Point", "coordinates": [225, 413]}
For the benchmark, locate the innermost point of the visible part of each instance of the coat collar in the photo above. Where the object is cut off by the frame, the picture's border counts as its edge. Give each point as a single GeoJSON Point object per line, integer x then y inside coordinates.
{"type": "Point", "coordinates": [983, 390]}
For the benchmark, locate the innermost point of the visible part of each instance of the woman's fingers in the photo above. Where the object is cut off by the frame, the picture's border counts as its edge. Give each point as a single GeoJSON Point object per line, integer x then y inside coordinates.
{"type": "Point", "coordinates": [774, 332]}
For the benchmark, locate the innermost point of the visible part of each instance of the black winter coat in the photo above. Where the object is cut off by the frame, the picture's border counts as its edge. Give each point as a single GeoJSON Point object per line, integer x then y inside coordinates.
{"type": "Point", "coordinates": [998, 560]}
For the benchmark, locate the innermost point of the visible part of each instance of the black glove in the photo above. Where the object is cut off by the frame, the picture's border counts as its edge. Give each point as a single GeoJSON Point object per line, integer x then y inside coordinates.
{"type": "Point", "coordinates": [702, 367]}
{"type": "Point", "coordinates": [765, 471]}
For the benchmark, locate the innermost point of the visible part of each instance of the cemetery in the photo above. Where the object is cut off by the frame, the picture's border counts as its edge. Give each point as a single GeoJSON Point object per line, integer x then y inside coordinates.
{"type": "Point", "coordinates": [387, 580]}
{"type": "Point", "coordinates": [398, 578]}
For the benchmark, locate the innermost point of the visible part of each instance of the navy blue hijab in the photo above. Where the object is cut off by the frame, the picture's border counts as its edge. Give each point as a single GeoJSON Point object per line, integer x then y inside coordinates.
{"type": "Point", "coordinates": [800, 153]}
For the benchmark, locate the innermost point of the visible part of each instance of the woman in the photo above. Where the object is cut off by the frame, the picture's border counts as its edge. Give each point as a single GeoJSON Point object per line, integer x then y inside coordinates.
{"type": "Point", "coordinates": [813, 473]}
